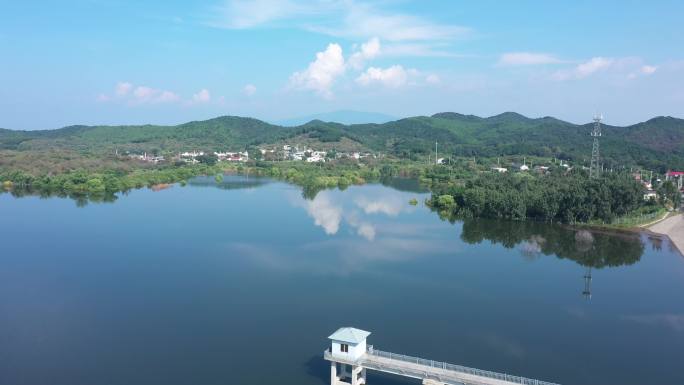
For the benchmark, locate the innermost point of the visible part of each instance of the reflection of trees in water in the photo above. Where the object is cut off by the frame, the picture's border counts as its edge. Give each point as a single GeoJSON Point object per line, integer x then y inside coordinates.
{"type": "Point", "coordinates": [404, 184]}
{"type": "Point", "coordinates": [81, 200]}
{"type": "Point", "coordinates": [309, 192]}
{"type": "Point", "coordinates": [586, 247]}
{"type": "Point", "coordinates": [228, 183]}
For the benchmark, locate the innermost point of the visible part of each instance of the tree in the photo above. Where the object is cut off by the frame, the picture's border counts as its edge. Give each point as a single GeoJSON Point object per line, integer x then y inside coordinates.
{"type": "Point", "coordinates": [95, 186]}
{"type": "Point", "coordinates": [254, 153]}
{"type": "Point", "coordinates": [208, 159]}
{"type": "Point", "coordinates": [668, 194]}
{"type": "Point", "coordinates": [445, 201]}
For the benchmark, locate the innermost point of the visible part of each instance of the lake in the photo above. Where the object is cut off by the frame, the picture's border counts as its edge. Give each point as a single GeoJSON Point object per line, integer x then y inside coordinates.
{"type": "Point", "coordinates": [242, 282]}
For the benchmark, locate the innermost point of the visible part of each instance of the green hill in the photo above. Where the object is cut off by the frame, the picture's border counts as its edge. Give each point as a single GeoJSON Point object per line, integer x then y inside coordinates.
{"type": "Point", "coordinates": [656, 144]}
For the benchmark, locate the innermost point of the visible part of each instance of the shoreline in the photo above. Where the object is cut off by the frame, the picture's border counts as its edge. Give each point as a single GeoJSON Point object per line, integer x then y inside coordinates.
{"type": "Point", "coordinates": [673, 228]}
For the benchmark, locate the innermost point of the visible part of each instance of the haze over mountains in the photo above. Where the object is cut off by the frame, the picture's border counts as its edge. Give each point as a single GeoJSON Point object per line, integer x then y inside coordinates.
{"type": "Point", "coordinates": [656, 144]}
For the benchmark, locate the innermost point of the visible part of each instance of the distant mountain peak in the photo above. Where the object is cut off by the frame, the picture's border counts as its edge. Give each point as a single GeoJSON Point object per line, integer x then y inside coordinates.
{"type": "Point", "coordinates": [339, 116]}
{"type": "Point", "coordinates": [455, 116]}
{"type": "Point", "coordinates": [509, 115]}
{"type": "Point", "coordinates": [313, 122]}
{"type": "Point", "coordinates": [664, 119]}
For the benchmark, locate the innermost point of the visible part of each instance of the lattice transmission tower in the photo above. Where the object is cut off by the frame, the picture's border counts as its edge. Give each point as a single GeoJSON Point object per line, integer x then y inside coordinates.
{"type": "Point", "coordinates": [587, 284]}
{"type": "Point", "coordinates": [595, 169]}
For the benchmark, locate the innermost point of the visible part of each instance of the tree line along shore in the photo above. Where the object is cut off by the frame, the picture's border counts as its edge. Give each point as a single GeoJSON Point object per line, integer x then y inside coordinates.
{"type": "Point", "coordinates": [460, 189]}
{"type": "Point", "coordinates": [504, 166]}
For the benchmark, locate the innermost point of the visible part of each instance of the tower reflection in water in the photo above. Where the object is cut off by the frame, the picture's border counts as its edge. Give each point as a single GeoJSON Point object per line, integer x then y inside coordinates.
{"type": "Point", "coordinates": [592, 249]}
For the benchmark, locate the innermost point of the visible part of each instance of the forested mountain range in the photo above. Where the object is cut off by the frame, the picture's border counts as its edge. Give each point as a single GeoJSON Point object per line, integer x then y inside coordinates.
{"type": "Point", "coordinates": [655, 144]}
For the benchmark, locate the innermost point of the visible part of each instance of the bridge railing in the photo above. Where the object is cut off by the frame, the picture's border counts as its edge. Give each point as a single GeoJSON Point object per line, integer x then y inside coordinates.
{"type": "Point", "coordinates": [456, 368]}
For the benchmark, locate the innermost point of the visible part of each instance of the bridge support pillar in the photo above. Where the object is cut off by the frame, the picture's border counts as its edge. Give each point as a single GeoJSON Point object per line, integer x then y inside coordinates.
{"type": "Point", "coordinates": [358, 375]}
{"type": "Point", "coordinates": [333, 373]}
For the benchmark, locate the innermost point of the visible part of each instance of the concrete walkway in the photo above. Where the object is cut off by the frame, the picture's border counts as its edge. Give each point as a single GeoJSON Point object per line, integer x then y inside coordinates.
{"type": "Point", "coordinates": [673, 227]}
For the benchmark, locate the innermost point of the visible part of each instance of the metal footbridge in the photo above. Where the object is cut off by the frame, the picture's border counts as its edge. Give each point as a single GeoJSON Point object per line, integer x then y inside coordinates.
{"type": "Point", "coordinates": [429, 371]}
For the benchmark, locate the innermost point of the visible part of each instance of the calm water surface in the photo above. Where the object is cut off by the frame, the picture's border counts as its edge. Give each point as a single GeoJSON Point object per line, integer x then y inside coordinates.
{"type": "Point", "coordinates": [242, 284]}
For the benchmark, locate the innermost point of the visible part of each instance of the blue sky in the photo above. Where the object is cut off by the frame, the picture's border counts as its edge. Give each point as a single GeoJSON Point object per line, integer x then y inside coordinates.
{"type": "Point", "coordinates": [166, 62]}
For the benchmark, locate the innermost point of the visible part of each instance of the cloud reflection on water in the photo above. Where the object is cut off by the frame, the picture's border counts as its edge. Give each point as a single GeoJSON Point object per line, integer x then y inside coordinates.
{"type": "Point", "coordinates": [330, 209]}
{"type": "Point", "coordinates": [340, 256]}
{"type": "Point", "coordinates": [371, 216]}
{"type": "Point", "coordinates": [672, 321]}
{"type": "Point", "coordinates": [391, 205]}
{"type": "Point", "coordinates": [325, 213]}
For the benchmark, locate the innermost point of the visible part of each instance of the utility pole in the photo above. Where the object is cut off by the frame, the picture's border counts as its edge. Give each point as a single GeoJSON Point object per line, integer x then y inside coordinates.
{"type": "Point", "coordinates": [436, 153]}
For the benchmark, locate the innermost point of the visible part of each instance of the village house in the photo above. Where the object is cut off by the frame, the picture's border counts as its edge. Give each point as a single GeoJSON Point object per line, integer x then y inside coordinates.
{"type": "Point", "coordinates": [541, 169]}
{"type": "Point", "coordinates": [193, 154]}
{"type": "Point", "coordinates": [298, 155]}
{"type": "Point", "coordinates": [232, 156]}
{"type": "Point", "coordinates": [147, 158]}
{"type": "Point", "coordinates": [650, 194]}
{"type": "Point", "coordinates": [316, 156]}
{"type": "Point", "coordinates": [677, 177]}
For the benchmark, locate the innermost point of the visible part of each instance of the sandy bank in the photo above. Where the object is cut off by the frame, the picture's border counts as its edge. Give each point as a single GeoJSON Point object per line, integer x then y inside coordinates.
{"type": "Point", "coordinates": [673, 227]}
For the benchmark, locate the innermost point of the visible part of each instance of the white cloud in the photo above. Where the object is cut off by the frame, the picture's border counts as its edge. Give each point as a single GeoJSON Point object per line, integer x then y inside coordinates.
{"type": "Point", "coordinates": [322, 72]}
{"type": "Point", "coordinates": [369, 50]}
{"type": "Point", "coordinates": [249, 89]}
{"type": "Point", "coordinates": [137, 95]}
{"type": "Point", "coordinates": [644, 70]}
{"type": "Point", "coordinates": [595, 64]}
{"type": "Point", "coordinates": [364, 21]}
{"type": "Point", "coordinates": [342, 18]}
{"type": "Point", "coordinates": [418, 49]}
{"type": "Point", "coordinates": [433, 79]}
{"type": "Point", "coordinates": [648, 69]}
{"type": "Point", "coordinates": [526, 59]}
{"type": "Point", "coordinates": [618, 69]}
{"type": "Point", "coordinates": [585, 69]}
{"type": "Point", "coordinates": [143, 93]}
{"type": "Point", "coordinates": [123, 88]}
{"type": "Point", "coordinates": [203, 96]}
{"type": "Point", "coordinates": [167, 97]}
{"type": "Point", "coordinates": [243, 14]}
{"type": "Point", "coordinates": [396, 76]}
{"type": "Point", "coordinates": [393, 77]}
